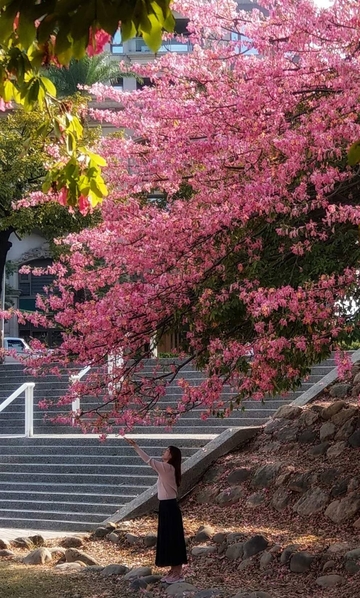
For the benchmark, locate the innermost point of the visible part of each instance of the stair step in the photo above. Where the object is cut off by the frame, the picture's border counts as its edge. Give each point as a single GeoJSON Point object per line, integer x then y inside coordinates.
{"type": "Point", "coordinates": [72, 483]}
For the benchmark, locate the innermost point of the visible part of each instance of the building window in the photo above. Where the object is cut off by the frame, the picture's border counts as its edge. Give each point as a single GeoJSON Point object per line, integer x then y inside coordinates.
{"type": "Point", "coordinates": [116, 46]}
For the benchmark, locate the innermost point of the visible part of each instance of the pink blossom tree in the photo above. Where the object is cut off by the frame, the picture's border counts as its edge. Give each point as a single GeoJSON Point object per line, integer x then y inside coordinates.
{"type": "Point", "coordinates": [252, 252]}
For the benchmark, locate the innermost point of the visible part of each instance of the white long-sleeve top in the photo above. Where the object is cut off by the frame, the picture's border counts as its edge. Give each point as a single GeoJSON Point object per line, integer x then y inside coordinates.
{"type": "Point", "coordinates": [166, 482]}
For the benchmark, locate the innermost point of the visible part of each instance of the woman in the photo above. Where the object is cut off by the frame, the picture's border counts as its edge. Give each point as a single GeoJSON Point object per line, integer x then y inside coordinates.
{"type": "Point", "coordinates": [170, 548]}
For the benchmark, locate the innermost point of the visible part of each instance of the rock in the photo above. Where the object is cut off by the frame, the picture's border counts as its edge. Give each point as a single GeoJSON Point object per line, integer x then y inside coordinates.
{"type": "Point", "coordinates": [353, 484]}
{"type": "Point", "coordinates": [210, 593]}
{"type": "Point", "coordinates": [204, 533]}
{"type": "Point", "coordinates": [235, 551]}
{"type": "Point", "coordinates": [357, 377]}
{"type": "Point", "coordinates": [274, 425]}
{"type": "Point", "coordinates": [339, 489]}
{"type": "Point", "coordinates": [308, 417]}
{"type": "Point", "coordinates": [70, 567]}
{"type": "Point", "coordinates": [143, 583]}
{"type": "Point", "coordinates": [352, 567]}
{"type": "Point", "coordinates": [234, 537]}
{"type": "Point", "coordinates": [265, 475]}
{"type": "Point", "coordinates": [180, 589]}
{"type": "Point", "coordinates": [356, 524]}
{"type": "Point", "coordinates": [230, 496]}
{"type": "Point", "coordinates": [328, 566]}
{"type": "Point", "coordinates": [150, 540]}
{"type": "Point", "coordinates": [212, 474]}
{"type": "Point", "coordinates": [327, 431]}
{"type": "Point", "coordinates": [287, 553]}
{"type": "Point", "coordinates": [342, 416]}
{"type": "Point", "coordinates": [330, 581]}
{"type": "Point", "coordinates": [300, 562]}
{"type": "Point", "coordinates": [313, 501]}
{"type": "Point", "coordinates": [265, 560]}
{"type": "Point", "coordinates": [257, 594]}
{"type": "Point", "coordinates": [40, 556]}
{"type": "Point", "coordinates": [283, 478]}
{"type": "Point", "coordinates": [287, 412]}
{"type": "Point", "coordinates": [276, 549]}
{"type": "Point", "coordinates": [37, 540]}
{"type": "Point", "coordinates": [255, 545]}
{"type": "Point", "coordinates": [341, 510]}
{"type": "Point", "coordinates": [22, 543]}
{"type": "Point", "coordinates": [346, 430]}
{"type": "Point", "coordinates": [332, 409]}
{"type": "Point", "coordinates": [114, 570]}
{"type": "Point", "coordinates": [113, 537]}
{"type": "Point", "coordinates": [4, 552]}
{"type": "Point", "coordinates": [270, 447]}
{"type": "Point", "coordinates": [338, 547]}
{"type": "Point", "coordinates": [307, 437]}
{"type": "Point", "coordinates": [280, 499]}
{"type": "Point", "coordinates": [238, 476]}
{"type": "Point", "coordinates": [336, 449]}
{"type": "Point", "coordinates": [222, 548]}
{"type": "Point", "coordinates": [137, 572]}
{"type": "Point", "coordinates": [219, 538]}
{"type": "Point", "coordinates": [288, 433]}
{"type": "Point", "coordinates": [300, 482]}
{"type": "Point", "coordinates": [203, 550]}
{"type": "Point", "coordinates": [328, 476]}
{"type": "Point", "coordinates": [340, 390]}
{"type": "Point", "coordinates": [73, 554]}
{"type": "Point", "coordinates": [131, 539]}
{"type": "Point", "coordinates": [4, 544]}
{"type": "Point", "coordinates": [72, 542]}
{"type": "Point", "coordinates": [207, 495]}
{"type": "Point", "coordinates": [245, 564]}
{"type": "Point", "coordinates": [353, 554]}
{"type": "Point", "coordinates": [100, 532]}
{"type": "Point", "coordinates": [354, 439]}
{"type": "Point", "coordinates": [256, 499]}
{"type": "Point", "coordinates": [319, 449]}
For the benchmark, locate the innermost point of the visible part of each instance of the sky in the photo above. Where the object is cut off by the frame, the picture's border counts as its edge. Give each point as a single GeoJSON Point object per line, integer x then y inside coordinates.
{"type": "Point", "coordinates": [323, 3]}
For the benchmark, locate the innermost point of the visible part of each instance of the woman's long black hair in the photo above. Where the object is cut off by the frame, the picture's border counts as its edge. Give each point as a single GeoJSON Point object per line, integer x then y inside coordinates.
{"type": "Point", "coordinates": [175, 461]}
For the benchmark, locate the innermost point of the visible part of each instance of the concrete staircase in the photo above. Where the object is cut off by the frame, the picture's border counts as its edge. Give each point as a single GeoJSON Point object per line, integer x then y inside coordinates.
{"type": "Point", "coordinates": [57, 482]}
{"type": "Point", "coordinates": [73, 484]}
{"type": "Point", "coordinates": [52, 387]}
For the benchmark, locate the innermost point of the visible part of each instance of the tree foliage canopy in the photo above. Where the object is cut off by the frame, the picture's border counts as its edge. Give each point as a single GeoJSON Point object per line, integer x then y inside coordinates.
{"type": "Point", "coordinates": [253, 251]}
{"type": "Point", "coordinates": [37, 33]}
{"type": "Point", "coordinates": [22, 159]}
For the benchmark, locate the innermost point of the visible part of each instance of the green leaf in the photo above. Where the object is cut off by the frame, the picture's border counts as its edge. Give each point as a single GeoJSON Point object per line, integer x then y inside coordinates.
{"type": "Point", "coordinates": [26, 30]}
{"type": "Point", "coordinates": [8, 91]}
{"type": "Point", "coordinates": [99, 160]}
{"type": "Point", "coordinates": [354, 154]}
{"type": "Point", "coordinates": [63, 46]}
{"type": "Point", "coordinates": [48, 86]}
{"type": "Point", "coordinates": [128, 30]}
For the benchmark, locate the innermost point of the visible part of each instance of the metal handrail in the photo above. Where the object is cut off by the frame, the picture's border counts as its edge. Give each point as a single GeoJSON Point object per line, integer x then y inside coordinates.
{"type": "Point", "coordinates": [28, 388]}
{"type": "Point", "coordinates": [75, 405]}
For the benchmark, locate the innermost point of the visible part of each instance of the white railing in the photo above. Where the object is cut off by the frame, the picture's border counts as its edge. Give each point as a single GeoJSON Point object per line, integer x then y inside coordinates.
{"type": "Point", "coordinates": [28, 388]}
{"type": "Point", "coordinates": [75, 406]}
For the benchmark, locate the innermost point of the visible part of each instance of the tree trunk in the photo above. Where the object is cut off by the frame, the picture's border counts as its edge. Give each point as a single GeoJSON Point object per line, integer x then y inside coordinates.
{"type": "Point", "coordinates": [5, 245]}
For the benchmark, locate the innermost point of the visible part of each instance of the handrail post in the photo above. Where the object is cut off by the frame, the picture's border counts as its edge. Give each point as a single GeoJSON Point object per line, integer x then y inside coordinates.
{"type": "Point", "coordinates": [75, 405]}
{"type": "Point", "coordinates": [29, 410]}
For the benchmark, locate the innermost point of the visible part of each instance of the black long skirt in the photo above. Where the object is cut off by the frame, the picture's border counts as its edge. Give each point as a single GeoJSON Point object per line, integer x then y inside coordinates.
{"type": "Point", "coordinates": [170, 548]}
